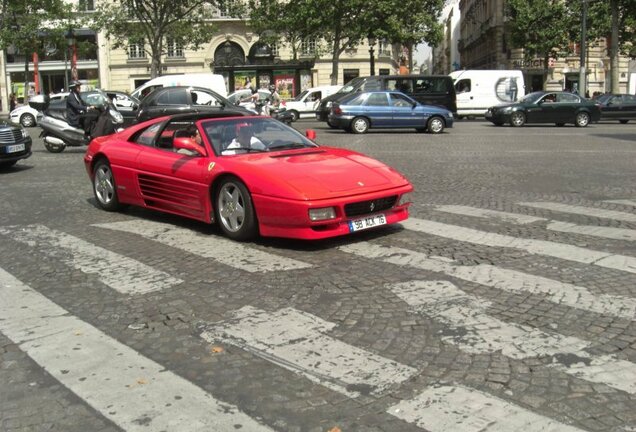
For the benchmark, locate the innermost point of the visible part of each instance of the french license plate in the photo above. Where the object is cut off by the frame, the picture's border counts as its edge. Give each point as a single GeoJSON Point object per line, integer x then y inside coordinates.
{"type": "Point", "coordinates": [366, 222]}
{"type": "Point", "coordinates": [15, 148]}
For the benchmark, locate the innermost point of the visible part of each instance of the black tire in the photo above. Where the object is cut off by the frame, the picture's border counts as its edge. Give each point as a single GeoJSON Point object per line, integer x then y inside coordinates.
{"type": "Point", "coordinates": [623, 121]}
{"type": "Point", "coordinates": [582, 119]}
{"type": "Point", "coordinates": [27, 120]}
{"type": "Point", "coordinates": [104, 187]}
{"type": "Point", "coordinates": [234, 210]}
{"type": "Point", "coordinates": [498, 123]}
{"type": "Point", "coordinates": [435, 125]}
{"type": "Point", "coordinates": [54, 148]}
{"type": "Point", "coordinates": [294, 115]}
{"type": "Point", "coordinates": [359, 125]}
{"type": "Point", "coordinates": [517, 119]}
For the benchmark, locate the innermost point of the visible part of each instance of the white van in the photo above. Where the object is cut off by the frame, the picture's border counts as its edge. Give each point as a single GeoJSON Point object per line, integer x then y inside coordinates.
{"type": "Point", "coordinates": [210, 81]}
{"type": "Point", "coordinates": [478, 90]}
{"type": "Point", "coordinates": [304, 105]}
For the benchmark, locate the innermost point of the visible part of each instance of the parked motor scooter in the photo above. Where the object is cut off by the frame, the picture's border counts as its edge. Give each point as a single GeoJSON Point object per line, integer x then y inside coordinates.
{"type": "Point", "coordinates": [57, 134]}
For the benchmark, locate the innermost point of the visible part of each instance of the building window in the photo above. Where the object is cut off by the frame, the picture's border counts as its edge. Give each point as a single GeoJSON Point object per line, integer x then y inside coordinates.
{"type": "Point", "coordinates": [136, 49]}
{"type": "Point", "coordinates": [274, 48]}
{"type": "Point", "coordinates": [308, 47]}
{"type": "Point", "coordinates": [228, 9]}
{"type": "Point", "coordinates": [174, 48]}
{"type": "Point", "coordinates": [86, 5]}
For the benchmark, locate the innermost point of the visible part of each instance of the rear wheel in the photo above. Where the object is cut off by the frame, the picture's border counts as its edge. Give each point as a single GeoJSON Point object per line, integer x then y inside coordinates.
{"type": "Point", "coordinates": [582, 119]}
{"type": "Point", "coordinates": [435, 125]}
{"type": "Point", "coordinates": [359, 125]}
{"type": "Point", "coordinates": [294, 115]}
{"type": "Point", "coordinates": [27, 120]}
{"type": "Point", "coordinates": [54, 148]}
{"type": "Point", "coordinates": [234, 210]}
{"type": "Point", "coordinates": [104, 186]}
{"type": "Point", "coordinates": [517, 119]}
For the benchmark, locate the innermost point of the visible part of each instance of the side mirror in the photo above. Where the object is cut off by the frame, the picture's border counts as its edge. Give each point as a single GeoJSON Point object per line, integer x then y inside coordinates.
{"type": "Point", "coordinates": [311, 134]}
{"type": "Point", "coordinates": [188, 144]}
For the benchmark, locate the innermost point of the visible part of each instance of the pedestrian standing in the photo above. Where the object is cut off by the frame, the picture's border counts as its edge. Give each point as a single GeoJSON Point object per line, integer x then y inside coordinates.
{"type": "Point", "coordinates": [12, 102]}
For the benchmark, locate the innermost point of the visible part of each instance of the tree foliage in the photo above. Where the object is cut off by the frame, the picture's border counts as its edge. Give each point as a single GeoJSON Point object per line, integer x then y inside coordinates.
{"type": "Point", "coordinates": [187, 22]}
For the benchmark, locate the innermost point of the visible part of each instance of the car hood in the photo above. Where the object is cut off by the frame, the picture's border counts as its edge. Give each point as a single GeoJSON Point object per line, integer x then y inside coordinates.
{"type": "Point", "coordinates": [6, 123]}
{"type": "Point", "coordinates": [319, 173]}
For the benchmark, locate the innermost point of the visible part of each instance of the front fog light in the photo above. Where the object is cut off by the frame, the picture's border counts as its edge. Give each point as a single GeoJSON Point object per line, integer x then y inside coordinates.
{"type": "Point", "coordinates": [404, 199]}
{"type": "Point", "coordinates": [320, 214]}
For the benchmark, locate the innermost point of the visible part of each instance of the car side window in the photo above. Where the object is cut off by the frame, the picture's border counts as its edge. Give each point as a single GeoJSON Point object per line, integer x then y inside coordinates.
{"type": "Point", "coordinates": [399, 100]}
{"type": "Point", "coordinates": [462, 86]}
{"type": "Point", "coordinates": [567, 98]}
{"type": "Point", "coordinates": [357, 101]}
{"type": "Point", "coordinates": [172, 97]}
{"type": "Point", "coordinates": [147, 136]}
{"type": "Point", "coordinates": [616, 100]}
{"type": "Point", "coordinates": [549, 98]}
{"type": "Point", "coordinates": [377, 99]}
{"type": "Point", "coordinates": [204, 98]}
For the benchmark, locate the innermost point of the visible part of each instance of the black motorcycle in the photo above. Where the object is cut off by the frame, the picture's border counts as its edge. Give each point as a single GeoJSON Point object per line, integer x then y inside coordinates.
{"type": "Point", "coordinates": [57, 134]}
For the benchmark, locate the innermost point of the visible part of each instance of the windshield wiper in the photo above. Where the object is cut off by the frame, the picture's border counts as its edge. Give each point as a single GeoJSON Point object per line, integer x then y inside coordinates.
{"type": "Point", "coordinates": [287, 146]}
{"type": "Point", "coordinates": [247, 149]}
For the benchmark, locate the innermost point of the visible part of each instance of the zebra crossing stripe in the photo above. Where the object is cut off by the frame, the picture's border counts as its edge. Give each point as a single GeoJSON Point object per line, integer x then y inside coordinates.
{"type": "Point", "coordinates": [622, 202]}
{"type": "Point", "coordinates": [129, 389]}
{"type": "Point", "coordinates": [295, 340]}
{"type": "Point", "coordinates": [500, 278]}
{"type": "Point", "coordinates": [532, 246]}
{"type": "Point", "coordinates": [457, 408]}
{"type": "Point", "coordinates": [443, 301]}
{"type": "Point", "coordinates": [123, 274]}
{"type": "Point", "coordinates": [580, 210]}
{"type": "Point", "coordinates": [482, 333]}
{"type": "Point", "coordinates": [219, 249]}
{"type": "Point", "coordinates": [490, 214]}
{"type": "Point", "coordinates": [595, 231]}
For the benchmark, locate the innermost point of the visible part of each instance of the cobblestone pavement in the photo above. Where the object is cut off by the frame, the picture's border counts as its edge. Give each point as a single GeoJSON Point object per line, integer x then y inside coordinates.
{"type": "Point", "coordinates": [507, 302]}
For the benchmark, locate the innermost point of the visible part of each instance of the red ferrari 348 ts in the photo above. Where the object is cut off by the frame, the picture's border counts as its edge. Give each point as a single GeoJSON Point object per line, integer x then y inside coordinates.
{"type": "Point", "coordinates": [251, 175]}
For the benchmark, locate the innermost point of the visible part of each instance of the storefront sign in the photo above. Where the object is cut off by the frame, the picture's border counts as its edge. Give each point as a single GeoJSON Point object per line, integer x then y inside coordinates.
{"type": "Point", "coordinates": [528, 64]}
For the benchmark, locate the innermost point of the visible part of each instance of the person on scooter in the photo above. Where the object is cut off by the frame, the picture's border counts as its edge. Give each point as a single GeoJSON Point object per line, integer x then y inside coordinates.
{"type": "Point", "coordinates": [273, 101]}
{"type": "Point", "coordinates": [75, 106]}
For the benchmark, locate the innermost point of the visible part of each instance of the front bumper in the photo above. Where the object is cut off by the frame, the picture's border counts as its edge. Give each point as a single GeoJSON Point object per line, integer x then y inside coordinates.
{"type": "Point", "coordinates": [497, 116]}
{"type": "Point", "coordinates": [14, 156]}
{"type": "Point", "coordinates": [342, 121]}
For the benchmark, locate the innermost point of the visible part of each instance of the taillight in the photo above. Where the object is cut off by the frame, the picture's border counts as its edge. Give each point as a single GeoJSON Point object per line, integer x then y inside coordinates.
{"type": "Point", "coordinates": [336, 110]}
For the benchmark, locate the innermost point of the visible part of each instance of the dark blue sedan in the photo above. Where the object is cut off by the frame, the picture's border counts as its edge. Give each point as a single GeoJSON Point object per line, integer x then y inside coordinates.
{"type": "Point", "coordinates": [359, 112]}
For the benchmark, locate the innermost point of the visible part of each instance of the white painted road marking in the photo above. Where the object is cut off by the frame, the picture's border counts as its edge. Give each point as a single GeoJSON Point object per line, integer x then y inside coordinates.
{"type": "Point", "coordinates": [443, 301]}
{"type": "Point", "coordinates": [459, 408]}
{"type": "Point", "coordinates": [623, 202]}
{"type": "Point", "coordinates": [485, 213]}
{"type": "Point", "coordinates": [294, 340]}
{"type": "Point", "coordinates": [538, 247]}
{"type": "Point", "coordinates": [508, 280]}
{"type": "Point", "coordinates": [219, 249]}
{"type": "Point", "coordinates": [129, 389]}
{"type": "Point", "coordinates": [580, 210]}
{"type": "Point", "coordinates": [595, 231]}
{"type": "Point", "coordinates": [121, 273]}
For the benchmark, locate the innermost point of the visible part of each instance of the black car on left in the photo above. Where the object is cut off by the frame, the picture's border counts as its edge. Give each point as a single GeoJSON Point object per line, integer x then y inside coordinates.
{"type": "Point", "coordinates": [15, 143]}
{"type": "Point", "coordinates": [556, 107]}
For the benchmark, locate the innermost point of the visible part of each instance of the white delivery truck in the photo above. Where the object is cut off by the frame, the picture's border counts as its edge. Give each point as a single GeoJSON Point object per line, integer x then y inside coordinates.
{"type": "Point", "coordinates": [478, 90]}
{"type": "Point", "coordinates": [214, 82]}
{"type": "Point", "coordinates": [304, 105]}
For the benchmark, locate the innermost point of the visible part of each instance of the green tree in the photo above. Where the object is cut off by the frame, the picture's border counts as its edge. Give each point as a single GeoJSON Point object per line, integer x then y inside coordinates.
{"type": "Point", "coordinates": [541, 27]}
{"type": "Point", "coordinates": [153, 22]}
{"type": "Point", "coordinates": [27, 24]}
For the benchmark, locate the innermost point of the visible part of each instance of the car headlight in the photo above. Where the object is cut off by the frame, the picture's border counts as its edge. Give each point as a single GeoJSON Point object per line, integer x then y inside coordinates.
{"type": "Point", "coordinates": [320, 214]}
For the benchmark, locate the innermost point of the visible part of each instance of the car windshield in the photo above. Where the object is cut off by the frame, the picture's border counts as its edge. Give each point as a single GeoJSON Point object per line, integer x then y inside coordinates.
{"type": "Point", "coordinates": [301, 95]}
{"type": "Point", "coordinates": [532, 97]}
{"type": "Point", "coordinates": [94, 98]}
{"type": "Point", "coordinates": [251, 134]}
{"type": "Point", "coordinates": [352, 85]}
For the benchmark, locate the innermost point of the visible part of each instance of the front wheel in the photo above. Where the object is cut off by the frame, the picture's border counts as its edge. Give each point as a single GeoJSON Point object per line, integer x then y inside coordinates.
{"type": "Point", "coordinates": [27, 120]}
{"type": "Point", "coordinates": [517, 119]}
{"type": "Point", "coordinates": [359, 125]}
{"type": "Point", "coordinates": [294, 115]}
{"type": "Point", "coordinates": [54, 148]}
{"type": "Point", "coordinates": [435, 125]}
{"type": "Point", "coordinates": [582, 119]}
{"type": "Point", "coordinates": [104, 186]}
{"type": "Point", "coordinates": [234, 210]}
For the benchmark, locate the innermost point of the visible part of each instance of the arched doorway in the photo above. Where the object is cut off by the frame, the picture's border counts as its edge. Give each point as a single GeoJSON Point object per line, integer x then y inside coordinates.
{"type": "Point", "coordinates": [229, 54]}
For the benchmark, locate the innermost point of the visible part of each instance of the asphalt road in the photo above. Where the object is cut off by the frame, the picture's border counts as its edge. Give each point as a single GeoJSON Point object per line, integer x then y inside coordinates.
{"type": "Point", "coordinates": [507, 302]}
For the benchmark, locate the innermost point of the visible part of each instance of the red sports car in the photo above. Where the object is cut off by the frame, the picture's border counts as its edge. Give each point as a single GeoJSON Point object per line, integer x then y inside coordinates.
{"type": "Point", "coordinates": [252, 175]}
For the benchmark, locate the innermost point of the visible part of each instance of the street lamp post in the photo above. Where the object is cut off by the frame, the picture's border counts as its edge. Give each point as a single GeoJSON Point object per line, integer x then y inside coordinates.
{"type": "Point", "coordinates": [582, 77]}
{"type": "Point", "coordinates": [371, 54]}
{"type": "Point", "coordinates": [70, 41]}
